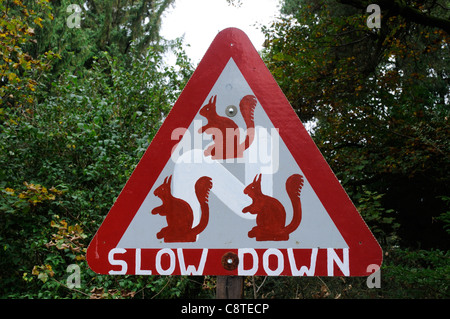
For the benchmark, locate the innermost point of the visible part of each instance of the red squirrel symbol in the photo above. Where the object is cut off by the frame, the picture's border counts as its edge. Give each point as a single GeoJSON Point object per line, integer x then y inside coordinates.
{"type": "Point", "coordinates": [179, 213]}
{"type": "Point", "coordinates": [224, 130]}
{"type": "Point", "coordinates": [271, 215]}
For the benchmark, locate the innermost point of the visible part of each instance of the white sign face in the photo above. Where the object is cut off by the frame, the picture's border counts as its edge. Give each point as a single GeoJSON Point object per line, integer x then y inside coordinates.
{"type": "Point", "coordinates": [237, 218]}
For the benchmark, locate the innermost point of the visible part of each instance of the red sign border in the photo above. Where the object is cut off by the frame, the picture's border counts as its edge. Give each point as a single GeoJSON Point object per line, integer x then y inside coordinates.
{"type": "Point", "coordinates": [233, 43]}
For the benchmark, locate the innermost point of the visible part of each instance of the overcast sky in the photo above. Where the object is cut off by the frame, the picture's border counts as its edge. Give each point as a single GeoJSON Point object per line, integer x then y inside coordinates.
{"type": "Point", "coordinates": [200, 21]}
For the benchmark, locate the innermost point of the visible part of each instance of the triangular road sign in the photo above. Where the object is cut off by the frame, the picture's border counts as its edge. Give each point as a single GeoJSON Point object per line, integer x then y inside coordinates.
{"type": "Point", "coordinates": [233, 184]}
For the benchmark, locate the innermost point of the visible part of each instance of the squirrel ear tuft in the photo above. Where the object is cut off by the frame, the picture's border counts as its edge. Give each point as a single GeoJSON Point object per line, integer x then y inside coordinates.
{"type": "Point", "coordinates": [256, 180]}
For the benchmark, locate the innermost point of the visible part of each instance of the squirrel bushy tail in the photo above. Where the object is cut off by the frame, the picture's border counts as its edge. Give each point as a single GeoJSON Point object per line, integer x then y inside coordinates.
{"type": "Point", "coordinates": [247, 108]}
{"type": "Point", "coordinates": [294, 186]}
{"type": "Point", "coordinates": [202, 188]}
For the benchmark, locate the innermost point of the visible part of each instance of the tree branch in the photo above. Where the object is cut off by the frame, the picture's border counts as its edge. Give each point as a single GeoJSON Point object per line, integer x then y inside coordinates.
{"type": "Point", "coordinates": [407, 12]}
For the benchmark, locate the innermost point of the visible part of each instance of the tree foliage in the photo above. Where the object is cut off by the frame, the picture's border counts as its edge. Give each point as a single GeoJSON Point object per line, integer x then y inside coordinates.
{"type": "Point", "coordinates": [84, 29]}
{"type": "Point", "coordinates": [378, 100]}
{"type": "Point", "coordinates": [20, 71]}
{"type": "Point", "coordinates": [69, 144]}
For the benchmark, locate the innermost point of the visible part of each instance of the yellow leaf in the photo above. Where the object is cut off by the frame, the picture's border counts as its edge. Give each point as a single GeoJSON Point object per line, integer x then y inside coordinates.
{"type": "Point", "coordinates": [30, 31]}
{"type": "Point", "coordinates": [9, 190]}
{"type": "Point", "coordinates": [35, 271]}
{"type": "Point", "coordinates": [11, 76]}
{"type": "Point", "coordinates": [38, 22]}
